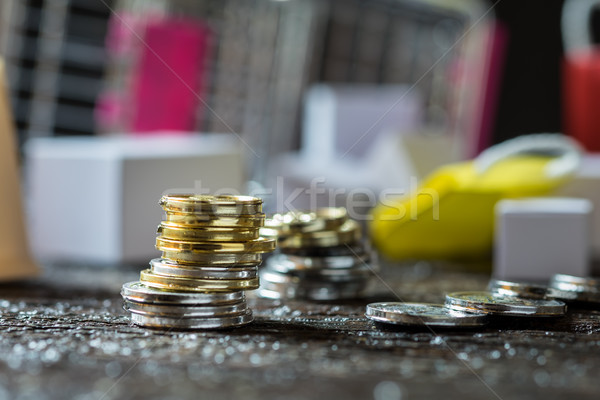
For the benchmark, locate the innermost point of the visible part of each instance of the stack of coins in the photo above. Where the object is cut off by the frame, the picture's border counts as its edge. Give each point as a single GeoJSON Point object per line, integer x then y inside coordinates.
{"type": "Point", "coordinates": [322, 256]}
{"type": "Point", "coordinates": [211, 248]}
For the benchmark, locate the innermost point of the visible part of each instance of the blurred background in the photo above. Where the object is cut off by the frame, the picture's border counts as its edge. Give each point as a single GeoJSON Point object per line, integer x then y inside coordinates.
{"type": "Point", "coordinates": [63, 55]}
{"type": "Point", "coordinates": [264, 96]}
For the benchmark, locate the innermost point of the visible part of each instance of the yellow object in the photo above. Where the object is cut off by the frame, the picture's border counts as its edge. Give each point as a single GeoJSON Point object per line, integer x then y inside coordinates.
{"type": "Point", "coordinates": [451, 216]}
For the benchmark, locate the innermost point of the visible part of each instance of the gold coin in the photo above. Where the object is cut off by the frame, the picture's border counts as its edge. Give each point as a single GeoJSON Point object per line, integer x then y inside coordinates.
{"type": "Point", "coordinates": [207, 220]}
{"type": "Point", "coordinates": [214, 205]}
{"type": "Point", "coordinates": [171, 230]}
{"type": "Point", "coordinates": [260, 245]}
{"type": "Point", "coordinates": [213, 259]}
{"type": "Point", "coordinates": [326, 218]}
{"type": "Point", "coordinates": [196, 285]}
{"type": "Point", "coordinates": [348, 233]}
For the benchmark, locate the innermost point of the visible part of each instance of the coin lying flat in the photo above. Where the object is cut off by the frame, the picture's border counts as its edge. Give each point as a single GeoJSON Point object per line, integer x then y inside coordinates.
{"type": "Point", "coordinates": [214, 205]}
{"type": "Point", "coordinates": [517, 289]}
{"type": "Point", "coordinates": [192, 323]}
{"type": "Point", "coordinates": [165, 282]}
{"type": "Point", "coordinates": [342, 250]}
{"type": "Point", "coordinates": [486, 302]}
{"type": "Point", "coordinates": [213, 259]}
{"type": "Point", "coordinates": [162, 310]}
{"type": "Point", "coordinates": [574, 288]}
{"type": "Point", "coordinates": [348, 232]}
{"type": "Point", "coordinates": [260, 245]}
{"type": "Point", "coordinates": [138, 292]}
{"type": "Point", "coordinates": [423, 314]}
{"type": "Point", "coordinates": [208, 220]}
{"type": "Point", "coordinates": [322, 219]}
{"type": "Point", "coordinates": [575, 283]}
{"type": "Point", "coordinates": [332, 262]}
{"type": "Point", "coordinates": [171, 230]}
{"type": "Point", "coordinates": [164, 267]}
{"type": "Point", "coordinates": [275, 285]}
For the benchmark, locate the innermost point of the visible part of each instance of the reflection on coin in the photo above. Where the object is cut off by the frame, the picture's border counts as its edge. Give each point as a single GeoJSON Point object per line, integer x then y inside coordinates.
{"type": "Point", "coordinates": [574, 288]}
{"type": "Point", "coordinates": [575, 283]}
{"type": "Point", "coordinates": [192, 285]}
{"type": "Point", "coordinates": [168, 310]}
{"type": "Point", "coordinates": [208, 220]}
{"type": "Point", "coordinates": [349, 232]}
{"type": "Point", "coordinates": [175, 231]}
{"type": "Point", "coordinates": [323, 219]}
{"type": "Point", "coordinates": [215, 205]}
{"type": "Point", "coordinates": [192, 323]}
{"type": "Point", "coordinates": [504, 305]}
{"type": "Point", "coordinates": [419, 314]}
{"type": "Point", "coordinates": [136, 291]}
{"type": "Point", "coordinates": [518, 289]}
{"type": "Point", "coordinates": [260, 245]}
{"type": "Point", "coordinates": [294, 287]}
{"type": "Point", "coordinates": [164, 267]}
{"type": "Point", "coordinates": [213, 259]}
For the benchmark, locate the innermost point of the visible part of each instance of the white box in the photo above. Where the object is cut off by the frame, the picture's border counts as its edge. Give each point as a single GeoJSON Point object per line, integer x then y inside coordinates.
{"type": "Point", "coordinates": [586, 184]}
{"type": "Point", "coordinates": [95, 199]}
{"type": "Point", "coordinates": [342, 121]}
{"type": "Point", "coordinates": [538, 237]}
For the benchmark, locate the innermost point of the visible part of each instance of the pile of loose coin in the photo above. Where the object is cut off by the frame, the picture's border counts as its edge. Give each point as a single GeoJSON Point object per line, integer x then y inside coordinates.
{"type": "Point", "coordinates": [211, 248]}
{"type": "Point", "coordinates": [503, 298]}
{"type": "Point", "coordinates": [322, 256]}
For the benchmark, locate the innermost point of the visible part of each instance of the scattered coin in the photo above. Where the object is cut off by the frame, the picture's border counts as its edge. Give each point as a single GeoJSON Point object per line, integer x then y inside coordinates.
{"type": "Point", "coordinates": [423, 314]}
{"type": "Point", "coordinates": [517, 289]}
{"type": "Point", "coordinates": [486, 302]}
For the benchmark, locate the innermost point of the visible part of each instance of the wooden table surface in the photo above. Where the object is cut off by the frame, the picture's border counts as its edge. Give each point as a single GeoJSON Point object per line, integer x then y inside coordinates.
{"type": "Point", "coordinates": [65, 335]}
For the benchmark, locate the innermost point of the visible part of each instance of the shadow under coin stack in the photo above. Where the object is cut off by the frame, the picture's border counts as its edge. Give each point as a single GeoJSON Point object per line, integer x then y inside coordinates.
{"type": "Point", "coordinates": [211, 248]}
{"type": "Point", "coordinates": [322, 257]}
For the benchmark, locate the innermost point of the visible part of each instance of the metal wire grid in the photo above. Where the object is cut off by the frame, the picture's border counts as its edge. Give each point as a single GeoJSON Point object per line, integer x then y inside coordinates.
{"type": "Point", "coordinates": [54, 51]}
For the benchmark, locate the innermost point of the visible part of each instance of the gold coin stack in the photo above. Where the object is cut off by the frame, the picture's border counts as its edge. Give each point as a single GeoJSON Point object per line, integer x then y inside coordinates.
{"type": "Point", "coordinates": [322, 256]}
{"type": "Point", "coordinates": [211, 248]}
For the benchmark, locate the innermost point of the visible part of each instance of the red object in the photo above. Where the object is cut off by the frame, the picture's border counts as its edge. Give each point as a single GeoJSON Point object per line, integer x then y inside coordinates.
{"type": "Point", "coordinates": [581, 97]}
{"type": "Point", "coordinates": [167, 84]}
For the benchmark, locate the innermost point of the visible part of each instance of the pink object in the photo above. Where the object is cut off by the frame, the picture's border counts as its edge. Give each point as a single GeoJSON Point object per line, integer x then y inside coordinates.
{"type": "Point", "coordinates": [498, 39]}
{"type": "Point", "coordinates": [168, 76]}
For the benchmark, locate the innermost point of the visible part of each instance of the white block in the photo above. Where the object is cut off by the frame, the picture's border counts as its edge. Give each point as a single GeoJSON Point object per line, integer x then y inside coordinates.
{"type": "Point", "coordinates": [538, 237]}
{"type": "Point", "coordinates": [95, 199]}
{"type": "Point", "coordinates": [342, 121]}
{"type": "Point", "coordinates": [586, 184]}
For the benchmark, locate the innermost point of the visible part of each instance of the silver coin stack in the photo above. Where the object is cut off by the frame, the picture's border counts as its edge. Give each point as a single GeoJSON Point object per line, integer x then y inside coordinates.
{"type": "Point", "coordinates": [322, 256]}
{"type": "Point", "coordinates": [185, 310]}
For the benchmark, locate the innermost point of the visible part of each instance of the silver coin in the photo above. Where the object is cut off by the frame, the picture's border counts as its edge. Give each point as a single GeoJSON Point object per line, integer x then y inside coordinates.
{"type": "Point", "coordinates": [164, 267]}
{"type": "Point", "coordinates": [138, 292]}
{"type": "Point", "coordinates": [517, 289]}
{"type": "Point", "coordinates": [576, 280]}
{"type": "Point", "coordinates": [341, 262]}
{"type": "Point", "coordinates": [213, 259]}
{"type": "Point", "coordinates": [420, 314]}
{"type": "Point", "coordinates": [174, 311]}
{"type": "Point", "coordinates": [486, 302]}
{"type": "Point", "coordinates": [296, 288]}
{"type": "Point", "coordinates": [570, 295]}
{"type": "Point", "coordinates": [282, 266]}
{"type": "Point", "coordinates": [571, 283]}
{"type": "Point", "coordinates": [192, 323]}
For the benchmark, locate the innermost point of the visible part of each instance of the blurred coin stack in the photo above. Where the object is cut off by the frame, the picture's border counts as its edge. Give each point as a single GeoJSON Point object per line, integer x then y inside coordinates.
{"type": "Point", "coordinates": [211, 248]}
{"type": "Point", "coordinates": [322, 256]}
